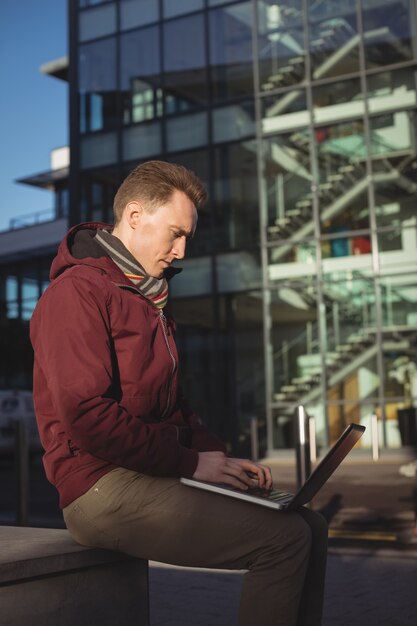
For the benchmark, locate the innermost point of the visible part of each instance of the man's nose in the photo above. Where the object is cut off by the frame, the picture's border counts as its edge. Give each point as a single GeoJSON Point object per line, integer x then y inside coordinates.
{"type": "Point", "coordinates": [179, 247]}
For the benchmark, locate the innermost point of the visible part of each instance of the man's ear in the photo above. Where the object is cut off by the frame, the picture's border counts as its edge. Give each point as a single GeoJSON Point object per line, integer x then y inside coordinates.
{"type": "Point", "coordinates": [133, 213]}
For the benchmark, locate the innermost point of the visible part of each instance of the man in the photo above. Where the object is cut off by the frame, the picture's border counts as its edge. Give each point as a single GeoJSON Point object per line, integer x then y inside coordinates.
{"type": "Point", "coordinates": [116, 430]}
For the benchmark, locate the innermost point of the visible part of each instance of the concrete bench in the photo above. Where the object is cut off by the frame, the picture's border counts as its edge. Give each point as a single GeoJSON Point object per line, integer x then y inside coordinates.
{"type": "Point", "coordinates": [47, 579]}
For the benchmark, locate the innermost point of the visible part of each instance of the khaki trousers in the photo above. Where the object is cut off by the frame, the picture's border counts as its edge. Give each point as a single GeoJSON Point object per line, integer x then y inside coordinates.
{"type": "Point", "coordinates": [162, 520]}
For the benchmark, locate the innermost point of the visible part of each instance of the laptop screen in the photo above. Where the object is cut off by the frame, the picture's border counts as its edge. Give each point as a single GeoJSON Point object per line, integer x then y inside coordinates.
{"type": "Point", "coordinates": [328, 464]}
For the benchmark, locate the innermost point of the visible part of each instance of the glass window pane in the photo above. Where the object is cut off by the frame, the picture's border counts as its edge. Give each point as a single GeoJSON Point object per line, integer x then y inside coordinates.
{"type": "Point", "coordinates": [287, 186]}
{"type": "Point", "coordinates": [12, 297]}
{"type": "Point", "coordinates": [334, 40]}
{"type": "Point", "coordinates": [233, 122]}
{"type": "Point", "coordinates": [399, 301]}
{"type": "Point", "coordinates": [30, 295]}
{"type": "Point", "coordinates": [292, 260]}
{"type": "Point", "coordinates": [97, 85]}
{"type": "Point", "coordinates": [389, 31]}
{"type": "Point", "coordinates": [141, 141]}
{"type": "Point", "coordinates": [97, 22]}
{"type": "Point", "coordinates": [235, 196]}
{"type": "Point", "coordinates": [280, 44]}
{"type": "Point", "coordinates": [173, 8]}
{"type": "Point", "coordinates": [338, 101]}
{"type": "Point", "coordinates": [238, 271]}
{"type": "Point", "coordinates": [139, 56]}
{"type": "Point", "coordinates": [140, 75]}
{"type": "Point", "coordinates": [285, 111]}
{"type": "Point", "coordinates": [185, 78]}
{"type": "Point", "coordinates": [295, 344]}
{"type": "Point", "coordinates": [349, 299]}
{"type": "Point", "coordinates": [189, 131]}
{"type": "Point", "coordinates": [392, 90]}
{"type": "Point", "coordinates": [395, 205]}
{"type": "Point", "coordinates": [98, 150]}
{"type": "Point", "coordinates": [343, 188]}
{"type": "Point", "coordinates": [393, 134]}
{"type": "Point", "coordinates": [138, 13]}
{"type": "Point", "coordinates": [231, 51]}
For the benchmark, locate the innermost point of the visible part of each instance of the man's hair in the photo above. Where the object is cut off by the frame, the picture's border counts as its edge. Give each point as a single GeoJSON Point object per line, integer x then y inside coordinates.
{"type": "Point", "coordinates": [153, 183]}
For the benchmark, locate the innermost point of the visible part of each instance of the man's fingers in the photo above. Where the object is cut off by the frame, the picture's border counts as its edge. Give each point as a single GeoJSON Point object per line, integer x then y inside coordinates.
{"type": "Point", "coordinates": [261, 473]}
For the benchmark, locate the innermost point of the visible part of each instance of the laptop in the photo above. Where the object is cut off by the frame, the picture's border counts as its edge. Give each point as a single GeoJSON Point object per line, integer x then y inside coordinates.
{"type": "Point", "coordinates": [281, 500]}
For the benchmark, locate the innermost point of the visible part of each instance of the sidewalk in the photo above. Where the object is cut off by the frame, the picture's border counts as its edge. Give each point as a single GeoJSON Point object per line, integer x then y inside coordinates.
{"type": "Point", "coordinates": [364, 500]}
{"type": "Point", "coordinates": [364, 588]}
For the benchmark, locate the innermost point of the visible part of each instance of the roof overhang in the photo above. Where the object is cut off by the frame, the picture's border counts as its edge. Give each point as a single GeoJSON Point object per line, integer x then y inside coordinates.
{"type": "Point", "coordinates": [58, 68]}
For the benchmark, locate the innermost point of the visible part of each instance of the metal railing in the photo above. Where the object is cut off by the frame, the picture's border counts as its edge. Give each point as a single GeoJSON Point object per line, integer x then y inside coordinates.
{"type": "Point", "coordinates": [35, 218]}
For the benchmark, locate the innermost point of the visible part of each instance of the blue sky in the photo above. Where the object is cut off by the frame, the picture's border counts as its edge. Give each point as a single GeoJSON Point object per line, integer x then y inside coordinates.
{"type": "Point", "coordinates": [33, 107]}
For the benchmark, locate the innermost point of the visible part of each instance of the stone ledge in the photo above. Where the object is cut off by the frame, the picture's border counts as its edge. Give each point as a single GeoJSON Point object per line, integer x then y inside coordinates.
{"type": "Point", "coordinates": [34, 552]}
{"type": "Point", "coordinates": [47, 578]}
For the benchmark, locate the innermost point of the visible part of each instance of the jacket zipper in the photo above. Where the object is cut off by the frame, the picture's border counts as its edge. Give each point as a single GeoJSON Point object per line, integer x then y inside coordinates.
{"type": "Point", "coordinates": [164, 325]}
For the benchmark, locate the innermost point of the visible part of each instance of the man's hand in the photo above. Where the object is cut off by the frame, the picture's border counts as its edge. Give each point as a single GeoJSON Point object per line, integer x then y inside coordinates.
{"type": "Point", "coordinates": [216, 467]}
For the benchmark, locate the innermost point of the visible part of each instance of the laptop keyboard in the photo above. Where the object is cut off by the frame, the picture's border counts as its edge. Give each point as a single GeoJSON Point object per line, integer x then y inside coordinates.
{"type": "Point", "coordinates": [270, 494]}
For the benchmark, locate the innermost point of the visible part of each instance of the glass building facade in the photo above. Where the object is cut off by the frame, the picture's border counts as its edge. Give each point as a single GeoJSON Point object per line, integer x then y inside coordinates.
{"type": "Point", "coordinates": [301, 283]}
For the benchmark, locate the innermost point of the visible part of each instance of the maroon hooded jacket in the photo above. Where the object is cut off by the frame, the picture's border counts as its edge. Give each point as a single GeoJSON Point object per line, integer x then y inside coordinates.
{"type": "Point", "coordinates": [106, 376]}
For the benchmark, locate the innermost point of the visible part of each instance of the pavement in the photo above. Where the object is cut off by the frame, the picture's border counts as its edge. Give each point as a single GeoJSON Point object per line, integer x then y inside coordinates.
{"type": "Point", "coordinates": [363, 588]}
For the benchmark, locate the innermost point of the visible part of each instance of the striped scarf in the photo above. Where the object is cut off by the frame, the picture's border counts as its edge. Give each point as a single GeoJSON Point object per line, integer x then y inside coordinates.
{"type": "Point", "coordinates": [154, 289]}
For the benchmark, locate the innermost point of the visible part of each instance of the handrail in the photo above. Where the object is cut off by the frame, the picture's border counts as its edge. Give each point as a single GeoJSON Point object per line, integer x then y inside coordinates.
{"type": "Point", "coordinates": [34, 218]}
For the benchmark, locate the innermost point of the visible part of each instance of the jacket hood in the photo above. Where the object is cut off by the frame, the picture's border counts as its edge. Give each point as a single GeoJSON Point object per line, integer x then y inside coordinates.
{"type": "Point", "coordinates": [80, 248]}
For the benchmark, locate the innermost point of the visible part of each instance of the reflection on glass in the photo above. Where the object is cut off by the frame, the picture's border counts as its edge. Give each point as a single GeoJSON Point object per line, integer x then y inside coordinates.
{"type": "Point", "coordinates": [141, 141]}
{"type": "Point", "coordinates": [334, 39]}
{"type": "Point", "coordinates": [173, 8]}
{"type": "Point", "coordinates": [235, 196]}
{"type": "Point", "coordinates": [185, 74]}
{"type": "Point", "coordinates": [399, 300]}
{"type": "Point", "coordinates": [138, 13]}
{"type": "Point", "coordinates": [398, 250]}
{"type": "Point", "coordinates": [97, 85]}
{"type": "Point", "coordinates": [98, 150]}
{"type": "Point", "coordinates": [98, 189]}
{"type": "Point", "coordinates": [230, 40]}
{"type": "Point", "coordinates": [140, 75]}
{"type": "Point", "coordinates": [389, 31]}
{"type": "Point", "coordinates": [12, 297]}
{"type": "Point", "coordinates": [186, 132]}
{"type": "Point", "coordinates": [350, 312]}
{"type": "Point", "coordinates": [292, 259]}
{"type": "Point", "coordinates": [287, 181]}
{"type": "Point", "coordinates": [337, 101]}
{"type": "Point", "coordinates": [296, 360]}
{"type": "Point", "coordinates": [283, 112]}
{"type": "Point", "coordinates": [391, 90]}
{"type": "Point", "coordinates": [393, 134]}
{"type": "Point", "coordinates": [280, 44]}
{"type": "Point", "coordinates": [342, 190]}
{"type": "Point", "coordinates": [30, 295]}
{"type": "Point", "coordinates": [233, 122]}
{"type": "Point", "coordinates": [97, 22]}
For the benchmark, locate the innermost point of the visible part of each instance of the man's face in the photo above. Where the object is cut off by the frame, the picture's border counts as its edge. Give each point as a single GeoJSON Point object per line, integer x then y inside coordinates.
{"type": "Point", "coordinates": [160, 237]}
